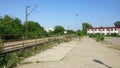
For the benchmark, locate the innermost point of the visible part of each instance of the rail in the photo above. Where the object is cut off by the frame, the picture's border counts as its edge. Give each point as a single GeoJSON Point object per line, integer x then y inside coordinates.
{"type": "Point", "coordinates": [12, 46]}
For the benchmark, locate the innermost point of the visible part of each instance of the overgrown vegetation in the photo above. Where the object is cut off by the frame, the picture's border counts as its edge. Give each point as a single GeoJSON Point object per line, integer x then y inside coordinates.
{"type": "Point", "coordinates": [59, 30]}
{"type": "Point", "coordinates": [13, 59]}
{"type": "Point", "coordinates": [13, 29]}
{"type": "Point", "coordinates": [85, 26]}
{"type": "Point", "coordinates": [98, 37]}
{"type": "Point", "coordinates": [1, 55]}
{"type": "Point", "coordinates": [113, 35]}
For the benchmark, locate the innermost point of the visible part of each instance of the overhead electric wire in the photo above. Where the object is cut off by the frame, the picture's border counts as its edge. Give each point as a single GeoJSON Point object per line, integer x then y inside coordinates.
{"type": "Point", "coordinates": [32, 10]}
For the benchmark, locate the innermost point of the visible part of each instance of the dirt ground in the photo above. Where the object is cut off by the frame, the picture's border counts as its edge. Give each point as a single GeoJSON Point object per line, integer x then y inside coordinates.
{"type": "Point", "coordinates": [87, 53]}
{"type": "Point", "coordinates": [113, 40]}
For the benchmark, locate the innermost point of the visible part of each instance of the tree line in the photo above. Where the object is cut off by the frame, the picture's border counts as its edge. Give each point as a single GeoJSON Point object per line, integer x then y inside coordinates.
{"type": "Point", "coordinates": [12, 28]}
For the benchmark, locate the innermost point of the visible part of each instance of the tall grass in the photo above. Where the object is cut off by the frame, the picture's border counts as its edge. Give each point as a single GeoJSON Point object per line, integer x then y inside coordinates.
{"type": "Point", "coordinates": [98, 37]}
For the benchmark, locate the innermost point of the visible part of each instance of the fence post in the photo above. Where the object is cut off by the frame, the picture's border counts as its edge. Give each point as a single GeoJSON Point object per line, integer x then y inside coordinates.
{"type": "Point", "coordinates": [23, 40]}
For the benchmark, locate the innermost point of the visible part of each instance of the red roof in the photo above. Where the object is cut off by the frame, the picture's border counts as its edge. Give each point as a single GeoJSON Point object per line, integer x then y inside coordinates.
{"type": "Point", "coordinates": [103, 27]}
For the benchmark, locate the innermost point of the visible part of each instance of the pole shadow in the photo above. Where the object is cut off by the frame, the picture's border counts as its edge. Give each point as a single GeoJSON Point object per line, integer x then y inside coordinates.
{"type": "Point", "coordinates": [100, 62]}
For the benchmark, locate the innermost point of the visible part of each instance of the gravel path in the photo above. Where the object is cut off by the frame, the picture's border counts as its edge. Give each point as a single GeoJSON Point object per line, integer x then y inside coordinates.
{"type": "Point", "coordinates": [86, 54]}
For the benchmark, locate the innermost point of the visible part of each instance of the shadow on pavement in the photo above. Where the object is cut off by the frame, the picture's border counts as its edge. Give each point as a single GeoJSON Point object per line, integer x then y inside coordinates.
{"type": "Point", "coordinates": [100, 62]}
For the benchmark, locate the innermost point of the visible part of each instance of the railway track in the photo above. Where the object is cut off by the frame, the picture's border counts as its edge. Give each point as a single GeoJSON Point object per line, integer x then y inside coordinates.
{"type": "Point", "coordinates": [15, 46]}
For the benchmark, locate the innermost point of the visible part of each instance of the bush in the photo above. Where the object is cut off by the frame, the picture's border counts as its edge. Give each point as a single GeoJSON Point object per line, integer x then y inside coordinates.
{"type": "Point", "coordinates": [114, 34]}
{"type": "Point", "coordinates": [99, 37]}
{"type": "Point", "coordinates": [92, 35]}
{"type": "Point", "coordinates": [1, 55]}
{"type": "Point", "coordinates": [12, 60]}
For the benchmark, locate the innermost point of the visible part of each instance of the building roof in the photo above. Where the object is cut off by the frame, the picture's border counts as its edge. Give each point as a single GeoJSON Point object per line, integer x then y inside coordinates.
{"type": "Point", "coordinates": [103, 27]}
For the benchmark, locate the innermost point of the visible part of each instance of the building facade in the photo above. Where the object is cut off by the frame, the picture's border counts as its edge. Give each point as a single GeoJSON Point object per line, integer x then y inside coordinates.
{"type": "Point", "coordinates": [104, 30]}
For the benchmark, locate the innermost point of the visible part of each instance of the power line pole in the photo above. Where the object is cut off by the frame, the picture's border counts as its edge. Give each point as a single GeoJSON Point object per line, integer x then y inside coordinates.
{"type": "Point", "coordinates": [26, 18]}
{"type": "Point", "coordinates": [76, 23]}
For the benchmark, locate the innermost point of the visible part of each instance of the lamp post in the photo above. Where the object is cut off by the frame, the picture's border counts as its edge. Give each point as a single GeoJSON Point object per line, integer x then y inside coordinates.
{"type": "Point", "coordinates": [76, 23]}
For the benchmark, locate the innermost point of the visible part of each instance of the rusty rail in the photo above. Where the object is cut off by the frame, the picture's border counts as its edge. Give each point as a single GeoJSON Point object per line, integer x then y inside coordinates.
{"type": "Point", "coordinates": [12, 46]}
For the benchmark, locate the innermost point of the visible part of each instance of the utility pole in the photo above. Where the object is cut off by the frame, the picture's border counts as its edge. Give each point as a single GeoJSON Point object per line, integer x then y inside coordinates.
{"type": "Point", "coordinates": [26, 21]}
{"type": "Point", "coordinates": [26, 18]}
{"type": "Point", "coordinates": [76, 23]}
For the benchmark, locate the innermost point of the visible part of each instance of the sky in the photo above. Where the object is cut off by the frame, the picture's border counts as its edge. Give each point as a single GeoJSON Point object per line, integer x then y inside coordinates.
{"type": "Point", "coordinates": [50, 13]}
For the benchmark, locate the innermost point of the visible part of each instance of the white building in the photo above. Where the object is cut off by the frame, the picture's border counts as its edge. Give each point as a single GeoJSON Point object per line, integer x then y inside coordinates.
{"type": "Point", "coordinates": [104, 30]}
{"type": "Point", "coordinates": [49, 29]}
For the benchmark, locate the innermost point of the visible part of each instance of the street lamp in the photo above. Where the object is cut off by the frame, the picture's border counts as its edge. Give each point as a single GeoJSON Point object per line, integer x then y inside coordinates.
{"type": "Point", "coordinates": [76, 23]}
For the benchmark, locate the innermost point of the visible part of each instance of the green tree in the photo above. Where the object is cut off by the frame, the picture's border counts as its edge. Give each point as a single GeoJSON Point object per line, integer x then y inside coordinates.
{"type": "Point", "coordinates": [70, 32]}
{"type": "Point", "coordinates": [10, 25]}
{"type": "Point", "coordinates": [85, 26]}
{"type": "Point", "coordinates": [34, 29]}
{"type": "Point", "coordinates": [117, 24]}
{"type": "Point", "coordinates": [1, 18]}
{"type": "Point", "coordinates": [79, 33]}
{"type": "Point", "coordinates": [59, 29]}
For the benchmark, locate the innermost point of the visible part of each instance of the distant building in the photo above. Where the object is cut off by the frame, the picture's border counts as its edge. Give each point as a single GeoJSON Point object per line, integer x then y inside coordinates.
{"type": "Point", "coordinates": [49, 29]}
{"type": "Point", "coordinates": [104, 30]}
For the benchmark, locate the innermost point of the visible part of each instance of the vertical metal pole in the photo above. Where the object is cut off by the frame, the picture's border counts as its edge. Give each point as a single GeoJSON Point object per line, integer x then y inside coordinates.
{"type": "Point", "coordinates": [76, 23]}
{"type": "Point", "coordinates": [26, 20]}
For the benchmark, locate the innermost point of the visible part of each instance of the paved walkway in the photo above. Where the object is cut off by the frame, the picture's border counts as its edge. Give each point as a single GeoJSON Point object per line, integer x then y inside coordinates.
{"type": "Point", "coordinates": [56, 53]}
{"type": "Point", "coordinates": [86, 54]}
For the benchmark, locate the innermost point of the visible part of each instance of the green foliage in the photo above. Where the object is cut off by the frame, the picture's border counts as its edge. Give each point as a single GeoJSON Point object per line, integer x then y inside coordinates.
{"type": "Point", "coordinates": [70, 32]}
{"type": "Point", "coordinates": [10, 25]}
{"type": "Point", "coordinates": [34, 29]}
{"type": "Point", "coordinates": [117, 24]}
{"type": "Point", "coordinates": [1, 60]}
{"type": "Point", "coordinates": [85, 26]}
{"type": "Point", "coordinates": [59, 30]}
{"type": "Point", "coordinates": [1, 55]}
{"type": "Point", "coordinates": [114, 35]}
{"type": "Point", "coordinates": [15, 29]}
{"type": "Point", "coordinates": [99, 37]}
{"type": "Point", "coordinates": [92, 35]}
{"type": "Point", "coordinates": [12, 60]}
{"type": "Point", "coordinates": [79, 33]}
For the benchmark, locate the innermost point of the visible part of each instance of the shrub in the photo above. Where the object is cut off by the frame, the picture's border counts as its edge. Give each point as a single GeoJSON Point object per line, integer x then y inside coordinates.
{"type": "Point", "coordinates": [92, 35]}
{"type": "Point", "coordinates": [12, 60]}
{"type": "Point", "coordinates": [1, 55]}
{"type": "Point", "coordinates": [99, 37]}
{"type": "Point", "coordinates": [114, 34]}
